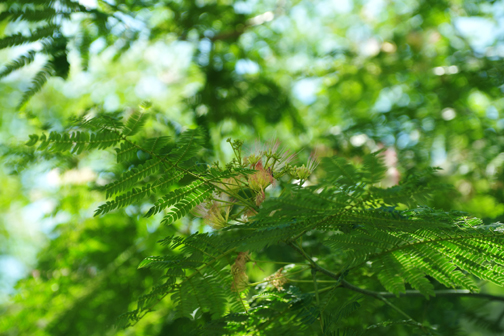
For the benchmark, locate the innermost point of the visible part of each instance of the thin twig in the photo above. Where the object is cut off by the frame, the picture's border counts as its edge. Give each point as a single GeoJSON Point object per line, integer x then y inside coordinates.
{"type": "Point", "coordinates": [314, 275]}
{"type": "Point", "coordinates": [274, 262]}
{"type": "Point", "coordinates": [412, 293]}
{"type": "Point", "coordinates": [400, 311]}
{"type": "Point", "coordinates": [315, 265]}
{"type": "Point", "coordinates": [408, 293]}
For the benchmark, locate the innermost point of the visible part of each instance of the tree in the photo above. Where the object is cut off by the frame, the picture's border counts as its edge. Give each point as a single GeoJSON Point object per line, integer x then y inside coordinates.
{"type": "Point", "coordinates": [337, 282]}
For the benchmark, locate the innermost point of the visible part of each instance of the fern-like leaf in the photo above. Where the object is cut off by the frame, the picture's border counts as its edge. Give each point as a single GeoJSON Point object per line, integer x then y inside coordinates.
{"type": "Point", "coordinates": [33, 15]}
{"type": "Point", "coordinates": [169, 262]}
{"type": "Point", "coordinates": [75, 142]}
{"type": "Point", "coordinates": [101, 121]}
{"type": "Point", "coordinates": [154, 145]}
{"type": "Point", "coordinates": [181, 208]}
{"type": "Point", "coordinates": [409, 255]}
{"type": "Point", "coordinates": [374, 167]}
{"type": "Point", "coordinates": [136, 195]}
{"type": "Point", "coordinates": [37, 82]}
{"type": "Point", "coordinates": [198, 187]}
{"type": "Point", "coordinates": [20, 39]}
{"type": "Point", "coordinates": [126, 152]}
{"type": "Point", "coordinates": [390, 275]}
{"type": "Point", "coordinates": [188, 145]}
{"type": "Point", "coordinates": [128, 179]}
{"type": "Point", "coordinates": [134, 123]}
{"type": "Point", "coordinates": [338, 169]}
{"type": "Point", "coordinates": [18, 63]}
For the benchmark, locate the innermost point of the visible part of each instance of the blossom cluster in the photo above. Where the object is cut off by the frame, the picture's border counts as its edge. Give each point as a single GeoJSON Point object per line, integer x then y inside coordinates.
{"type": "Point", "coordinates": [270, 162]}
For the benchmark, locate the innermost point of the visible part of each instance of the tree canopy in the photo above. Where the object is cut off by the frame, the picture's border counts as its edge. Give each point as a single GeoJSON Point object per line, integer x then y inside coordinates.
{"type": "Point", "coordinates": [225, 167]}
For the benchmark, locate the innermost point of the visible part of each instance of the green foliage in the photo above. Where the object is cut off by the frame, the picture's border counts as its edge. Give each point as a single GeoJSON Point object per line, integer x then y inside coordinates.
{"type": "Point", "coordinates": [76, 142]}
{"type": "Point", "coordinates": [362, 226]}
{"type": "Point", "coordinates": [38, 81]}
{"type": "Point", "coordinates": [49, 17]}
{"type": "Point", "coordinates": [19, 39]}
{"type": "Point", "coordinates": [365, 226]}
{"type": "Point", "coordinates": [129, 178]}
{"type": "Point", "coordinates": [31, 15]}
{"type": "Point", "coordinates": [136, 195]}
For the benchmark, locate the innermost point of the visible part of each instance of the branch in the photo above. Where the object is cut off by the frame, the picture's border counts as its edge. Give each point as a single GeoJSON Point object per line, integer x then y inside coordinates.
{"type": "Point", "coordinates": [314, 265]}
{"type": "Point", "coordinates": [383, 295]}
{"type": "Point", "coordinates": [441, 292]}
{"type": "Point", "coordinates": [314, 275]}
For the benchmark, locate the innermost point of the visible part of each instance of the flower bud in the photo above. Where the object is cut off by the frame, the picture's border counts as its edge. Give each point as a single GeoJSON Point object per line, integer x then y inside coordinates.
{"type": "Point", "coordinates": [302, 172]}
{"type": "Point", "coordinates": [253, 160]}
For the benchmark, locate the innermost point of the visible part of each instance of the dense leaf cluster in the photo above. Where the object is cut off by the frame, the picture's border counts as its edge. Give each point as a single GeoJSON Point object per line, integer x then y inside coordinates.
{"type": "Point", "coordinates": [346, 232]}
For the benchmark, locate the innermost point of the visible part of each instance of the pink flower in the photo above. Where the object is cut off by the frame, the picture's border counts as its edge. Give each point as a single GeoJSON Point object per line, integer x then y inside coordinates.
{"type": "Point", "coordinates": [259, 181]}
{"type": "Point", "coordinates": [272, 154]}
{"type": "Point", "coordinates": [280, 155]}
{"type": "Point", "coordinates": [215, 213]}
{"type": "Point", "coordinates": [277, 279]}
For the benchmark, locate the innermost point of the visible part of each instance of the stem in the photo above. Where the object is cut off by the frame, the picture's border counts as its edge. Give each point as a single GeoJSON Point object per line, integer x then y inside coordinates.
{"type": "Point", "coordinates": [273, 165]}
{"type": "Point", "coordinates": [412, 293]}
{"type": "Point", "coordinates": [336, 276]}
{"type": "Point", "coordinates": [314, 275]}
{"type": "Point", "coordinates": [289, 280]}
{"type": "Point", "coordinates": [396, 308]}
{"type": "Point", "coordinates": [408, 293]}
{"type": "Point", "coordinates": [376, 295]}
{"type": "Point", "coordinates": [222, 201]}
{"type": "Point", "coordinates": [273, 262]}
{"type": "Point", "coordinates": [267, 160]}
{"type": "Point", "coordinates": [318, 281]}
{"type": "Point", "coordinates": [242, 303]}
{"type": "Point", "coordinates": [325, 289]}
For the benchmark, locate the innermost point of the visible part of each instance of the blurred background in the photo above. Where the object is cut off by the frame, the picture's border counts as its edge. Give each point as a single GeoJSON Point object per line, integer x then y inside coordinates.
{"type": "Point", "coordinates": [423, 79]}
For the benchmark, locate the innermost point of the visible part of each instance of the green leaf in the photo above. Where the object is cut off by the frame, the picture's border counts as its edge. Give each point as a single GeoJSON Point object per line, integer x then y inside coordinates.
{"type": "Point", "coordinates": [76, 142]}
{"type": "Point", "coordinates": [374, 167]}
{"type": "Point", "coordinates": [18, 63]}
{"type": "Point", "coordinates": [197, 189]}
{"type": "Point", "coordinates": [20, 39]}
{"type": "Point", "coordinates": [136, 195]}
{"type": "Point", "coordinates": [126, 152]}
{"type": "Point", "coordinates": [129, 178]}
{"type": "Point", "coordinates": [33, 140]}
{"type": "Point", "coordinates": [181, 208]}
{"type": "Point", "coordinates": [340, 171]}
{"type": "Point", "coordinates": [37, 82]}
{"type": "Point", "coordinates": [134, 123]}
